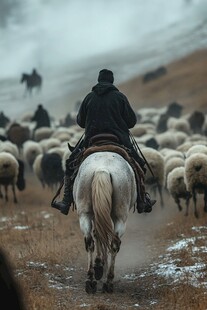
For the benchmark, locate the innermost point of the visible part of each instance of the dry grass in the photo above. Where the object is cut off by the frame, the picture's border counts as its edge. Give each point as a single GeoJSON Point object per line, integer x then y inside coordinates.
{"type": "Point", "coordinates": [185, 82]}
{"type": "Point", "coordinates": [51, 249]}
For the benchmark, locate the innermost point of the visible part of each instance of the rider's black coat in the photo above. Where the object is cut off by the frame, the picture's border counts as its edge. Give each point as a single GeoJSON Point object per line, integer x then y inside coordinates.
{"type": "Point", "coordinates": [106, 110]}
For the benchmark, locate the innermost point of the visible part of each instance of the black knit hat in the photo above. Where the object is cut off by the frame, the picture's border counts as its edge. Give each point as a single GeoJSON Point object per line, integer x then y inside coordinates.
{"type": "Point", "coordinates": [106, 76]}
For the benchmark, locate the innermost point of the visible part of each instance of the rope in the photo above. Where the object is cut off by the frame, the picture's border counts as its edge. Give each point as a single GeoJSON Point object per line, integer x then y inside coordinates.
{"type": "Point", "coordinates": [138, 149]}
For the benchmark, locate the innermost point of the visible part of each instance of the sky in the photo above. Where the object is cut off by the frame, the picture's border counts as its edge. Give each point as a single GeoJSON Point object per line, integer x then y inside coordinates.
{"type": "Point", "coordinates": [70, 41]}
{"type": "Point", "coordinates": [50, 34]}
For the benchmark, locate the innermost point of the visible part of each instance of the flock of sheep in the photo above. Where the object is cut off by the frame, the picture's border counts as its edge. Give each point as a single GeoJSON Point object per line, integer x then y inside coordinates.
{"type": "Point", "coordinates": [177, 155]}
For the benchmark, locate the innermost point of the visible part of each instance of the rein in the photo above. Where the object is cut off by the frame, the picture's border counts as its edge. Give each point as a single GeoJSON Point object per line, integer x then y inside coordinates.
{"type": "Point", "coordinates": [138, 148]}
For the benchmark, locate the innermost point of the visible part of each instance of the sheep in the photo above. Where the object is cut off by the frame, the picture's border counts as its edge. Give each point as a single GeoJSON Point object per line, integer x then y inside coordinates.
{"type": "Point", "coordinates": [18, 134]}
{"type": "Point", "coordinates": [171, 164]}
{"type": "Point", "coordinates": [197, 137]}
{"type": "Point", "coordinates": [150, 114]}
{"type": "Point", "coordinates": [179, 124]}
{"type": "Point", "coordinates": [58, 150]}
{"type": "Point", "coordinates": [156, 162]}
{"type": "Point", "coordinates": [9, 169]}
{"type": "Point", "coordinates": [52, 171]}
{"type": "Point", "coordinates": [65, 156]}
{"type": "Point", "coordinates": [180, 136]}
{"type": "Point", "coordinates": [9, 147]}
{"type": "Point", "coordinates": [36, 167]}
{"type": "Point", "coordinates": [169, 154]}
{"type": "Point", "coordinates": [177, 187]}
{"type": "Point", "coordinates": [167, 140]}
{"type": "Point", "coordinates": [196, 121]}
{"type": "Point", "coordinates": [184, 147]}
{"type": "Point", "coordinates": [43, 133]}
{"type": "Point", "coordinates": [49, 143]}
{"type": "Point", "coordinates": [141, 129]}
{"type": "Point", "coordinates": [198, 148]}
{"type": "Point", "coordinates": [62, 133]}
{"type": "Point", "coordinates": [195, 178]}
{"type": "Point", "coordinates": [30, 151]}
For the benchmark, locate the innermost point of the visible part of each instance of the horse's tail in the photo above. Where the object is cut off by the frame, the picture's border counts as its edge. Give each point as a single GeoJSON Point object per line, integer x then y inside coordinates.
{"type": "Point", "coordinates": [102, 205]}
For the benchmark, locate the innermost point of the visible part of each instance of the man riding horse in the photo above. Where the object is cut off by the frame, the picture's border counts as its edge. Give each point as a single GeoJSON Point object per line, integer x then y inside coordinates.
{"type": "Point", "coordinates": [32, 80]}
{"type": "Point", "coordinates": [105, 110]}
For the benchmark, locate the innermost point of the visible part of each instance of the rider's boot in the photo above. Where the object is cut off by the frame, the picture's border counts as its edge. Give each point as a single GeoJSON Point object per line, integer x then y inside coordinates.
{"type": "Point", "coordinates": [64, 205]}
{"type": "Point", "coordinates": [146, 204]}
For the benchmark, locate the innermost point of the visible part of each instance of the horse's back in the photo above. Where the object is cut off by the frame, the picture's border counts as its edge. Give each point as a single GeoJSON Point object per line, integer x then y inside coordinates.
{"type": "Point", "coordinates": [120, 173]}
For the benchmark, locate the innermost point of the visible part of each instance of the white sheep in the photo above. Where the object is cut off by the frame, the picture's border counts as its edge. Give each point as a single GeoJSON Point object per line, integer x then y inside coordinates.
{"type": "Point", "coordinates": [9, 170]}
{"type": "Point", "coordinates": [196, 177]}
{"type": "Point", "coordinates": [156, 162]}
{"type": "Point", "coordinates": [37, 169]}
{"type": "Point", "coordinates": [169, 154]}
{"type": "Point", "coordinates": [197, 138]}
{"type": "Point", "coordinates": [167, 140]}
{"type": "Point", "coordinates": [171, 164]}
{"type": "Point", "coordinates": [141, 129]}
{"type": "Point", "coordinates": [177, 187]}
{"type": "Point", "coordinates": [9, 147]}
{"type": "Point", "coordinates": [197, 148]}
{"type": "Point", "coordinates": [184, 147]}
{"type": "Point", "coordinates": [62, 133]}
{"type": "Point", "coordinates": [43, 133]}
{"type": "Point", "coordinates": [180, 137]}
{"type": "Point", "coordinates": [30, 151]}
{"type": "Point", "coordinates": [49, 143]}
{"type": "Point", "coordinates": [66, 155]}
{"type": "Point", "coordinates": [179, 124]}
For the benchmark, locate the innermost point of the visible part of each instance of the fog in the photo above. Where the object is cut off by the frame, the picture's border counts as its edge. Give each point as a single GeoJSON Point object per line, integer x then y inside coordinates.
{"type": "Point", "coordinates": [52, 34]}
{"type": "Point", "coordinates": [69, 41]}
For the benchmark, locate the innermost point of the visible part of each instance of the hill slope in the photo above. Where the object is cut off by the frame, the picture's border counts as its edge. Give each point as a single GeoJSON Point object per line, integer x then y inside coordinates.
{"type": "Point", "coordinates": [185, 82]}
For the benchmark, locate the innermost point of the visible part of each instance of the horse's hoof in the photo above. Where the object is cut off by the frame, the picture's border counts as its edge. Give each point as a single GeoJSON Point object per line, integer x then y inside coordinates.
{"type": "Point", "coordinates": [90, 287]}
{"type": "Point", "coordinates": [108, 288]}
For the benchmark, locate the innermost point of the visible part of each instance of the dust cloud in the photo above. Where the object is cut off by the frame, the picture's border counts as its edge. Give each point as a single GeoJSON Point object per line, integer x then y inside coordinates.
{"type": "Point", "coordinates": [140, 231]}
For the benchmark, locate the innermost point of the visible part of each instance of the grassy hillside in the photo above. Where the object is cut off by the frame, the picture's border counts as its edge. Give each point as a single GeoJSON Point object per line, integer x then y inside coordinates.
{"type": "Point", "coordinates": [185, 82]}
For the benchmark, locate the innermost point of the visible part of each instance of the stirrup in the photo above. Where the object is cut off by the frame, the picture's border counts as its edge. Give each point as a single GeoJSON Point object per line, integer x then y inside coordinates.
{"type": "Point", "coordinates": [65, 209]}
{"type": "Point", "coordinates": [146, 205]}
{"type": "Point", "coordinates": [55, 205]}
{"type": "Point", "coordinates": [61, 206]}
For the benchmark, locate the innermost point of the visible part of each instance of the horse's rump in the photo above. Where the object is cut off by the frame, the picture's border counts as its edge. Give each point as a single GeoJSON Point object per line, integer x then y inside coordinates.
{"type": "Point", "coordinates": [105, 186]}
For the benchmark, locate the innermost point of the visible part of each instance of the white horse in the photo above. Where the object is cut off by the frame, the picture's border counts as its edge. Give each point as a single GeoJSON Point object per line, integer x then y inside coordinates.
{"type": "Point", "coordinates": [104, 192]}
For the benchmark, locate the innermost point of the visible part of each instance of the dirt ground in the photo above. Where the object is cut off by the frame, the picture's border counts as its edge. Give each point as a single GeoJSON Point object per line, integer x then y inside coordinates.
{"type": "Point", "coordinates": [49, 260]}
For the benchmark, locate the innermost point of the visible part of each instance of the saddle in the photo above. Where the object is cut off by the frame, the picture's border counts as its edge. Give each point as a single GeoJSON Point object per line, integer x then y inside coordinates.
{"type": "Point", "coordinates": [110, 143]}
{"type": "Point", "coordinates": [107, 143]}
{"type": "Point", "coordinates": [103, 138]}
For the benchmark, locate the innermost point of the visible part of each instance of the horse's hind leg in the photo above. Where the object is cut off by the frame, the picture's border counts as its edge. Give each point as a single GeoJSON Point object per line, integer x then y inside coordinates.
{"type": "Point", "coordinates": [100, 263]}
{"type": "Point", "coordinates": [115, 247]}
{"type": "Point", "coordinates": [86, 228]}
{"type": "Point", "coordinates": [119, 229]}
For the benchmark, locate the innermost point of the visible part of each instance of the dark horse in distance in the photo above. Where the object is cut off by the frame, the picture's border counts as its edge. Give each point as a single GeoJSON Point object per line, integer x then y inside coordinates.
{"type": "Point", "coordinates": [33, 80]}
